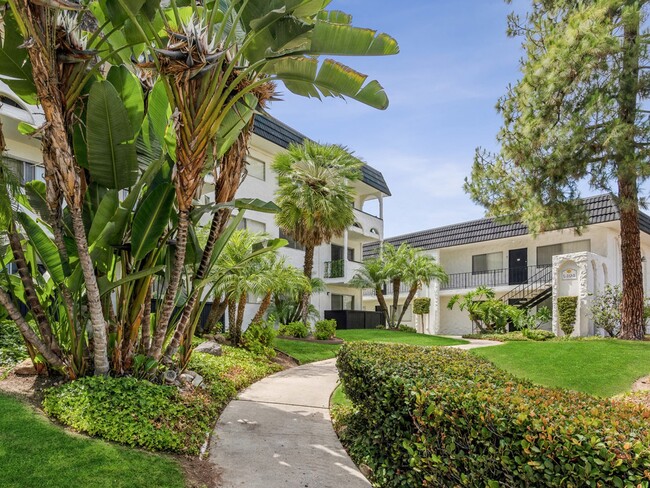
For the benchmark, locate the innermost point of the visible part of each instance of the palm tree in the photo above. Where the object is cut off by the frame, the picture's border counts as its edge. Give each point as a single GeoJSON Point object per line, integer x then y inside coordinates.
{"type": "Point", "coordinates": [421, 269]}
{"type": "Point", "coordinates": [315, 197]}
{"type": "Point", "coordinates": [373, 275]}
{"type": "Point", "coordinates": [277, 277]}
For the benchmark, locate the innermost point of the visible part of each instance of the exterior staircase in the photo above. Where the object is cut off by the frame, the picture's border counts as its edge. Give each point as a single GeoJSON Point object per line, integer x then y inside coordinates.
{"type": "Point", "coordinates": [536, 289]}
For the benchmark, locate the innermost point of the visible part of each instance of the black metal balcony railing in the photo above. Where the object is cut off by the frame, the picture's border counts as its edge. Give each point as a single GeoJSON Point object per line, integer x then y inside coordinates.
{"type": "Point", "coordinates": [335, 269]}
{"type": "Point", "coordinates": [496, 277]}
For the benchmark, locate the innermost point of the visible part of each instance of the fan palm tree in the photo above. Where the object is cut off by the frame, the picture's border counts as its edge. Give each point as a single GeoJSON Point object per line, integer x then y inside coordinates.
{"type": "Point", "coordinates": [315, 197]}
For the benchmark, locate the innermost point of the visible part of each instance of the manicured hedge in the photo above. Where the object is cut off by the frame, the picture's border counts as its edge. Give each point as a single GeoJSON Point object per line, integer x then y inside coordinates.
{"type": "Point", "coordinates": [442, 417]}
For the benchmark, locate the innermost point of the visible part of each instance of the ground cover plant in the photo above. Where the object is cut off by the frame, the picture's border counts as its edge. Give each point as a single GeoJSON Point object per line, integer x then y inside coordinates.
{"type": "Point", "coordinates": [307, 352]}
{"type": "Point", "coordinates": [156, 417]}
{"type": "Point", "coordinates": [603, 367]}
{"type": "Point", "coordinates": [443, 417]}
{"type": "Point", "coordinates": [519, 335]}
{"type": "Point", "coordinates": [12, 345]}
{"type": "Point", "coordinates": [36, 453]}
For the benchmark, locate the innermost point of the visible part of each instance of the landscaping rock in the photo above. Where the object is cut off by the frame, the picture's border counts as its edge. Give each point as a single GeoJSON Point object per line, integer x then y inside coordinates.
{"type": "Point", "coordinates": [210, 347]}
{"type": "Point", "coordinates": [26, 368]}
{"type": "Point", "coordinates": [198, 380]}
{"type": "Point", "coordinates": [169, 376]}
{"type": "Point", "coordinates": [186, 378]}
{"type": "Point", "coordinates": [220, 339]}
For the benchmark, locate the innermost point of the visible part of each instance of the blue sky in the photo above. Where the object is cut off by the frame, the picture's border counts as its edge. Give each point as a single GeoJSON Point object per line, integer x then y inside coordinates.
{"type": "Point", "coordinates": [455, 62]}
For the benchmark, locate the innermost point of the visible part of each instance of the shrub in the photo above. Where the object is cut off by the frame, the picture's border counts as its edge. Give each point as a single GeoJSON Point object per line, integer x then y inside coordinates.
{"type": "Point", "coordinates": [294, 329]}
{"type": "Point", "coordinates": [134, 412]}
{"type": "Point", "coordinates": [443, 417]}
{"type": "Point", "coordinates": [258, 338]}
{"type": "Point", "coordinates": [325, 329]}
{"type": "Point", "coordinates": [406, 328]}
{"type": "Point", "coordinates": [538, 334]}
{"type": "Point", "coordinates": [567, 307]}
{"type": "Point", "coordinates": [421, 306]}
{"type": "Point", "coordinates": [12, 345]}
{"type": "Point", "coordinates": [605, 310]}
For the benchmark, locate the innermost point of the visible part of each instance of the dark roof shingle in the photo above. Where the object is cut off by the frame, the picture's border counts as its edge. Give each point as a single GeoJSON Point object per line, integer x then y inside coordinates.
{"type": "Point", "coordinates": [600, 209]}
{"type": "Point", "coordinates": [282, 135]}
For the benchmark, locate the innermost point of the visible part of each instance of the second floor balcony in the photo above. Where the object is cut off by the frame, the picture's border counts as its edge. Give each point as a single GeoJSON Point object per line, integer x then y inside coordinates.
{"type": "Point", "coordinates": [497, 277]}
{"type": "Point", "coordinates": [340, 271]}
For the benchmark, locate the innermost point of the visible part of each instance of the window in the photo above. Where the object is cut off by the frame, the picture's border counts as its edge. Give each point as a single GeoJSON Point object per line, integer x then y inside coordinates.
{"type": "Point", "coordinates": [342, 302]}
{"type": "Point", "coordinates": [545, 253]}
{"type": "Point", "coordinates": [32, 172]}
{"type": "Point", "coordinates": [256, 168]}
{"type": "Point", "coordinates": [350, 254]}
{"type": "Point", "coordinates": [292, 243]}
{"type": "Point", "coordinates": [482, 263]}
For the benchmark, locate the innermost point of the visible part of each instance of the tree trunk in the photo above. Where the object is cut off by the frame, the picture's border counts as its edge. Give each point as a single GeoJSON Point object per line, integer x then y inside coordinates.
{"type": "Point", "coordinates": [241, 309]}
{"type": "Point", "coordinates": [232, 320]}
{"type": "Point", "coordinates": [217, 310]}
{"type": "Point", "coordinates": [382, 302]}
{"type": "Point", "coordinates": [29, 335]}
{"type": "Point", "coordinates": [397, 283]}
{"type": "Point", "coordinates": [31, 297]}
{"type": "Point", "coordinates": [172, 287]}
{"type": "Point", "coordinates": [100, 341]}
{"type": "Point", "coordinates": [632, 323]}
{"type": "Point", "coordinates": [409, 299]}
{"type": "Point", "coordinates": [306, 295]}
{"type": "Point", "coordinates": [146, 321]}
{"type": "Point", "coordinates": [264, 306]}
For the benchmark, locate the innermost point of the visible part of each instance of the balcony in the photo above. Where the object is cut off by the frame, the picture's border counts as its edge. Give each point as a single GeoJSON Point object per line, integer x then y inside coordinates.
{"type": "Point", "coordinates": [492, 278]}
{"type": "Point", "coordinates": [388, 290]}
{"type": "Point", "coordinates": [340, 271]}
{"type": "Point", "coordinates": [366, 225]}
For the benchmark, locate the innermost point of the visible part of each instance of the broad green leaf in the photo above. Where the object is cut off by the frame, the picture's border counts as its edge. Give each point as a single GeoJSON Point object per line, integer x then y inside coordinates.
{"type": "Point", "coordinates": [105, 212]}
{"type": "Point", "coordinates": [44, 246]}
{"type": "Point", "coordinates": [335, 17]}
{"type": "Point", "coordinates": [105, 285]}
{"type": "Point", "coordinates": [159, 111]}
{"type": "Point", "coordinates": [112, 159]}
{"type": "Point", "coordinates": [15, 68]}
{"type": "Point", "coordinates": [35, 192]}
{"type": "Point", "coordinates": [303, 77]}
{"type": "Point", "coordinates": [233, 123]}
{"type": "Point", "coordinates": [256, 204]}
{"type": "Point", "coordinates": [346, 40]}
{"type": "Point", "coordinates": [116, 14]}
{"type": "Point", "coordinates": [130, 91]}
{"type": "Point", "coordinates": [26, 129]}
{"type": "Point", "coordinates": [151, 220]}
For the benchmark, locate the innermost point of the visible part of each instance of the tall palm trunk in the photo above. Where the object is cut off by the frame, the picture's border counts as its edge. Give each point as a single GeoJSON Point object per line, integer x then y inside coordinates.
{"type": "Point", "coordinates": [232, 318]}
{"type": "Point", "coordinates": [412, 291]}
{"type": "Point", "coordinates": [172, 287]}
{"type": "Point", "coordinates": [65, 176]}
{"type": "Point", "coordinates": [308, 270]}
{"type": "Point", "coordinates": [264, 306]}
{"type": "Point", "coordinates": [397, 283]}
{"type": "Point", "coordinates": [235, 336]}
{"type": "Point", "coordinates": [227, 183]}
{"type": "Point", "coordinates": [217, 309]}
{"type": "Point", "coordinates": [632, 322]}
{"type": "Point", "coordinates": [146, 321]}
{"type": "Point", "coordinates": [382, 301]}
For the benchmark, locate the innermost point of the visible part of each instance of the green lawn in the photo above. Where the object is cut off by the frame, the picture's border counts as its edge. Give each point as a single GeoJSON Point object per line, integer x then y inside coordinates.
{"type": "Point", "coordinates": [307, 352]}
{"type": "Point", "coordinates": [34, 452]}
{"type": "Point", "coordinates": [604, 368]}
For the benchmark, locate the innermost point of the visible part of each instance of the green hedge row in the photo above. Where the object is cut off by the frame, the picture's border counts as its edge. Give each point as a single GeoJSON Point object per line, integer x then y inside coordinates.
{"type": "Point", "coordinates": [442, 417]}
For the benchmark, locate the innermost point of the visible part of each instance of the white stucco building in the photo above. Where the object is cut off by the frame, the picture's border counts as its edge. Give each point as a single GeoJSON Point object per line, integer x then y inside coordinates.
{"type": "Point", "coordinates": [521, 269]}
{"type": "Point", "coordinates": [335, 263]}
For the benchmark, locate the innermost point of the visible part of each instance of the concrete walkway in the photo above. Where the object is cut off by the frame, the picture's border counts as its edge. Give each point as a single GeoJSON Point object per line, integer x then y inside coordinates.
{"type": "Point", "coordinates": [278, 433]}
{"type": "Point", "coordinates": [474, 343]}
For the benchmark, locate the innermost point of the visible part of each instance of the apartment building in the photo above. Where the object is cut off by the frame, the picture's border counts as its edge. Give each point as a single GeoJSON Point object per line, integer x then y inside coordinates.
{"type": "Point", "coordinates": [522, 269]}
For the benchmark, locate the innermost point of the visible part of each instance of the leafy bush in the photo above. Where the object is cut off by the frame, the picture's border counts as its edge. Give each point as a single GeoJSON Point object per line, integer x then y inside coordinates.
{"type": "Point", "coordinates": [12, 345]}
{"type": "Point", "coordinates": [567, 307]}
{"type": "Point", "coordinates": [134, 412]}
{"type": "Point", "coordinates": [294, 329]}
{"type": "Point", "coordinates": [406, 328]}
{"type": "Point", "coordinates": [443, 417]}
{"type": "Point", "coordinates": [258, 338]}
{"type": "Point", "coordinates": [487, 313]}
{"type": "Point", "coordinates": [325, 329]}
{"type": "Point", "coordinates": [421, 306]}
{"type": "Point", "coordinates": [605, 310]}
{"type": "Point", "coordinates": [538, 334]}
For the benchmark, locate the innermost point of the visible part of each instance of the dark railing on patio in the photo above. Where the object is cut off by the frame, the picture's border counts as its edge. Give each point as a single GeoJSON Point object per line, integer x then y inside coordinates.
{"type": "Point", "coordinates": [355, 319]}
{"type": "Point", "coordinates": [335, 269]}
{"type": "Point", "coordinates": [496, 277]}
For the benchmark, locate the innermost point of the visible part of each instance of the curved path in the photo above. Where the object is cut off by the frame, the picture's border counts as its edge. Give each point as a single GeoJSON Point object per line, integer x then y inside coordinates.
{"type": "Point", "coordinates": [278, 433]}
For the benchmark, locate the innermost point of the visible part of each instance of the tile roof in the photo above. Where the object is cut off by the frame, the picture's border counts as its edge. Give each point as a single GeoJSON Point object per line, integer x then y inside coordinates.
{"type": "Point", "coordinates": [600, 208]}
{"type": "Point", "coordinates": [278, 133]}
